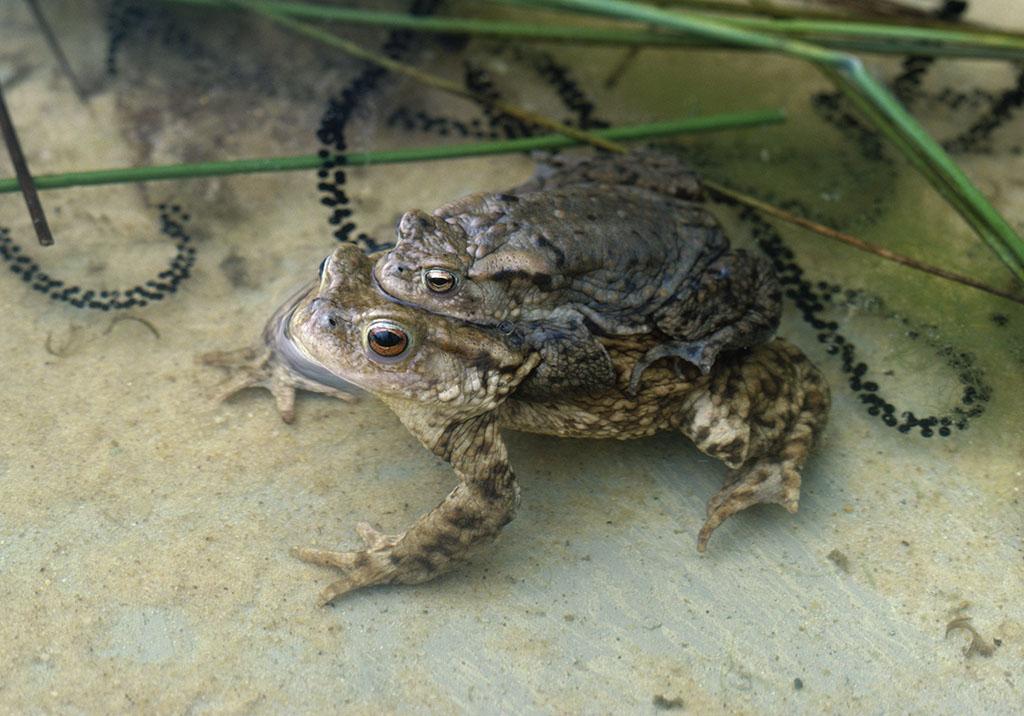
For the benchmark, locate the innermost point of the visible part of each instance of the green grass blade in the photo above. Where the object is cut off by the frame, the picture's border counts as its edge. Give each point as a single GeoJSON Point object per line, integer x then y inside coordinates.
{"type": "Point", "coordinates": [860, 37]}
{"type": "Point", "coordinates": [734, 120]}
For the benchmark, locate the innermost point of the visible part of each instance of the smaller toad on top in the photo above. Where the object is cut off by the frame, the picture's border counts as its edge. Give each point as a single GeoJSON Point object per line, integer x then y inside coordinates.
{"type": "Point", "coordinates": [612, 245]}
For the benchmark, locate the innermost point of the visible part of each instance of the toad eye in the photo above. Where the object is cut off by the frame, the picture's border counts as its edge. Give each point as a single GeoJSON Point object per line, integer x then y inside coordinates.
{"type": "Point", "coordinates": [439, 280]}
{"type": "Point", "coordinates": [387, 339]}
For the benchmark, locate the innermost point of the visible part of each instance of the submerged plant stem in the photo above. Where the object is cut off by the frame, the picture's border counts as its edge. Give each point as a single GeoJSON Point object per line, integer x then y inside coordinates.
{"type": "Point", "coordinates": [737, 120]}
{"type": "Point", "coordinates": [24, 181]}
{"type": "Point", "coordinates": [869, 37]}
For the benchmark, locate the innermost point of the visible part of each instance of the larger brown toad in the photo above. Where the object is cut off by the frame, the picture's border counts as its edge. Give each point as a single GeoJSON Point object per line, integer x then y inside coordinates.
{"type": "Point", "coordinates": [604, 246]}
{"type": "Point", "coordinates": [455, 386]}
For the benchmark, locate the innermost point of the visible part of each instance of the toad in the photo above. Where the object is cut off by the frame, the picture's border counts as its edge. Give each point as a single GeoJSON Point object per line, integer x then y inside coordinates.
{"type": "Point", "coordinates": [611, 245]}
{"type": "Point", "coordinates": [456, 385]}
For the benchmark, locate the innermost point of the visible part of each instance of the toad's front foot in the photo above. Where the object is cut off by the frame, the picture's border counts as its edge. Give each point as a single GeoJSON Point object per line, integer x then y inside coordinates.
{"type": "Point", "coordinates": [377, 564]}
{"type": "Point", "coordinates": [701, 354]}
{"type": "Point", "coordinates": [262, 367]}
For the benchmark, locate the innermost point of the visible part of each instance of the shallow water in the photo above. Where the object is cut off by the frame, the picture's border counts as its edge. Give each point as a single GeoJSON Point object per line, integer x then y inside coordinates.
{"type": "Point", "coordinates": [144, 528]}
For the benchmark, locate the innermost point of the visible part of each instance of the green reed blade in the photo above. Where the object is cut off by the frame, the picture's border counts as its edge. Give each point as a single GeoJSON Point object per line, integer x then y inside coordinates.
{"type": "Point", "coordinates": [860, 37]}
{"type": "Point", "coordinates": [734, 120]}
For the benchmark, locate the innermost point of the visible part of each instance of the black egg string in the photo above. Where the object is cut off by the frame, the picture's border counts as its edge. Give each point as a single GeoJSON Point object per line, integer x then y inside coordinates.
{"type": "Point", "coordinates": [556, 75]}
{"type": "Point", "coordinates": [123, 19]}
{"type": "Point", "coordinates": [420, 121]}
{"type": "Point", "coordinates": [128, 17]}
{"type": "Point", "coordinates": [813, 298]}
{"type": "Point", "coordinates": [997, 108]}
{"type": "Point", "coordinates": [479, 81]}
{"type": "Point", "coordinates": [568, 89]}
{"type": "Point", "coordinates": [331, 134]}
{"type": "Point", "coordinates": [907, 85]}
{"type": "Point", "coordinates": [172, 224]}
{"type": "Point", "coordinates": [495, 124]}
{"type": "Point", "coordinates": [977, 137]}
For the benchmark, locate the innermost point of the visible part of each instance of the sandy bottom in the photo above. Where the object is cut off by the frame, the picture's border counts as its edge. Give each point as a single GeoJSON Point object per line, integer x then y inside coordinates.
{"type": "Point", "coordinates": [144, 528]}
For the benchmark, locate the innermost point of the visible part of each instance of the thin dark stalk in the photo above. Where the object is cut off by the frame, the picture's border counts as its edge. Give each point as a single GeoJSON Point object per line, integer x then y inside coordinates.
{"type": "Point", "coordinates": [27, 186]}
{"type": "Point", "coordinates": [55, 48]}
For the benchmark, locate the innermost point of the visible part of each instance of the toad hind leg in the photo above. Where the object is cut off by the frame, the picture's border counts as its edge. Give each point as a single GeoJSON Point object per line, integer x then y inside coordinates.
{"type": "Point", "coordinates": [760, 414]}
{"type": "Point", "coordinates": [472, 514]}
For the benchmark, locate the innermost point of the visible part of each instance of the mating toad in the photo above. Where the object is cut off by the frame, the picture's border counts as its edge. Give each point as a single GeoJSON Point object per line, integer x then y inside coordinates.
{"type": "Point", "coordinates": [455, 385]}
{"type": "Point", "coordinates": [605, 246]}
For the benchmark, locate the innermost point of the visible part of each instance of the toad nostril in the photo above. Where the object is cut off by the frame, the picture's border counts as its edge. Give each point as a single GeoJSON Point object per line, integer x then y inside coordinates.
{"type": "Point", "coordinates": [329, 319]}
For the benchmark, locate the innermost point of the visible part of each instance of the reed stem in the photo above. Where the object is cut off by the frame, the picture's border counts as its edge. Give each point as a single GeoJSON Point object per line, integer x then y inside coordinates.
{"type": "Point", "coordinates": [736, 120]}
{"type": "Point", "coordinates": [875, 38]}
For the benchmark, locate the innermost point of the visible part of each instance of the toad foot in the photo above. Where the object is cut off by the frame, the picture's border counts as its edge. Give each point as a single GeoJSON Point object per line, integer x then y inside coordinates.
{"type": "Point", "coordinates": [361, 568]}
{"type": "Point", "coordinates": [765, 481]}
{"type": "Point", "coordinates": [259, 367]}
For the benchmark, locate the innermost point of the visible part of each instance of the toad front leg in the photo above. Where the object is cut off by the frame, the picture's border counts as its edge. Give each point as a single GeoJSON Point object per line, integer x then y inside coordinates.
{"type": "Point", "coordinates": [736, 303]}
{"type": "Point", "coordinates": [473, 513]}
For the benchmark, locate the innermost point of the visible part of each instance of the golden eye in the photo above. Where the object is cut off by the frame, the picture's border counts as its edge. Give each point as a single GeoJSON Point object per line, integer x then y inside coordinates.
{"type": "Point", "coordinates": [387, 339]}
{"type": "Point", "coordinates": [439, 280]}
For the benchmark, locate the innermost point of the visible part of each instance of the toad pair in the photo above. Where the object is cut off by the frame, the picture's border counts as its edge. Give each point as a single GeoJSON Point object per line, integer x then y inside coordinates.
{"type": "Point", "coordinates": [596, 300]}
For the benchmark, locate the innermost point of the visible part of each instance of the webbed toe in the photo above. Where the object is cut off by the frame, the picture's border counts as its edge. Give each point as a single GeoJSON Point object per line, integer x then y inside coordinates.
{"type": "Point", "coordinates": [376, 564]}
{"type": "Point", "coordinates": [260, 367]}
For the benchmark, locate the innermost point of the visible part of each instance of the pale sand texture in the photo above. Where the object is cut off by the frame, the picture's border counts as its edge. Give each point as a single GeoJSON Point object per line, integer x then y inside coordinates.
{"type": "Point", "coordinates": [144, 530]}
